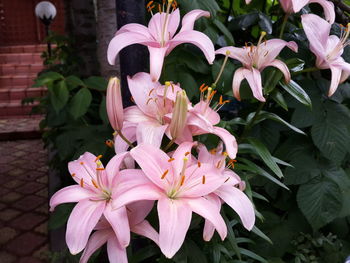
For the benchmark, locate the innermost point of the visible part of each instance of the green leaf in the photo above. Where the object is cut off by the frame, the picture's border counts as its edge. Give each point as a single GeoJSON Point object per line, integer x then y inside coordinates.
{"type": "Point", "coordinates": [275, 117]}
{"type": "Point", "coordinates": [266, 156]}
{"type": "Point", "coordinates": [74, 82]}
{"type": "Point", "coordinates": [252, 255]}
{"type": "Point", "coordinates": [96, 83]}
{"type": "Point", "coordinates": [305, 168]}
{"type": "Point", "coordinates": [295, 64]}
{"type": "Point", "coordinates": [331, 137]}
{"type": "Point", "coordinates": [278, 97]}
{"type": "Point", "coordinates": [60, 216]}
{"type": "Point", "coordinates": [320, 201]}
{"type": "Point", "coordinates": [46, 78]}
{"type": "Point", "coordinates": [80, 103]}
{"type": "Point", "coordinates": [59, 95]}
{"type": "Point", "coordinates": [225, 31]}
{"type": "Point", "coordinates": [103, 111]}
{"type": "Point", "coordinates": [297, 92]}
{"type": "Point", "coordinates": [261, 234]}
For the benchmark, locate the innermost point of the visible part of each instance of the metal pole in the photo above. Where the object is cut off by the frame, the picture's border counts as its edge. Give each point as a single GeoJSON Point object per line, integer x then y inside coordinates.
{"type": "Point", "coordinates": [134, 58]}
{"type": "Point", "coordinates": [48, 41]}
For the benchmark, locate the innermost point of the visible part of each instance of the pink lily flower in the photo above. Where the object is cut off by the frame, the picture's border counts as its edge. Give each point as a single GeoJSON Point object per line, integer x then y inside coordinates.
{"type": "Point", "coordinates": [231, 192]}
{"type": "Point", "coordinates": [160, 37]}
{"type": "Point", "coordinates": [328, 49]}
{"type": "Point", "coordinates": [294, 6]}
{"type": "Point", "coordinates": [149, 119]}
{"type": "Point", "coordinates": [255, 59]}
{"type": "Point", "coordinates": [94, 191]}
{"type": "Point", "coordinates": [202, 120]}
{"type": "Point", "coordinates": [105, 234]}
{"type": "Point", "coordinates": [179, 186]}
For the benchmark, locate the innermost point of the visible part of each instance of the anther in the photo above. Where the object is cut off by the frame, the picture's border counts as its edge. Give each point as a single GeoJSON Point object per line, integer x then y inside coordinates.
{"type": "Point", "coordinates": [187, 153]}
{"type": "Point", "coordinates": [199, 164]}
{"type": "Point", "coordinates": [82, 163]}
{"type": "Point", "coordinates": [98, 158]}
{"type": "Point", "coordinates": [164, 174]}
{"type": "Point", "coordinates": [109, 143]}
{"type": "Point", "coordinates": [167, 83]}
{"type": "Point", "coordinates": [73, 174]}
{"type": "Point", "coordinates": [228, 52]}
{"type": "Point", "coordinates": [82, 182]}
{"type": "Point", "coordinates": [100, 169]}
{"type": "Point", "coordinates": [171, 159]}
{"type": "Point", "coordinates": [150, 92]}
{"type": "Point", "coordinates": [149, 4]}
{"type": "Point", "coordinates": [203, 179]}
{"type": "Point", "coordinates": [182, 180]}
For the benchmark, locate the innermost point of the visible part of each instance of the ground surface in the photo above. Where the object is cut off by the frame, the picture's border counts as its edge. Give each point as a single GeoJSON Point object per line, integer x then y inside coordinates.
{"type": "Point", "coordinates": [23, 202]}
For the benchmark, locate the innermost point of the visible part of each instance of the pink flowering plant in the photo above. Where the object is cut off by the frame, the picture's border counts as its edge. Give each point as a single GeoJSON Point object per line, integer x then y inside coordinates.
{"type": "Point", "coordinates": [236, 145]}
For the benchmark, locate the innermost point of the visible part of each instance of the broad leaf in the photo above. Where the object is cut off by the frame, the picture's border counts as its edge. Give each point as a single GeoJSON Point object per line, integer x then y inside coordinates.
{"type": "Point", "coordinates": [59, 95]}
{"type": "Point", "coordinates": [275, 117]}
{"type": "Point", "coordinates": [97, 83]}
{"type": "Point", "coordinates": [297, 92]}
{"type": "Point", "coordinates": [80, 103]}
{"type": "Point", "coordinates": [320, 201]}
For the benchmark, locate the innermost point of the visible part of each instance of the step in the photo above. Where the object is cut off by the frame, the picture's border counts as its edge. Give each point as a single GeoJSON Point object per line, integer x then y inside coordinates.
{"type": "Point", "coordinates": [23, 49]}
{"type": "Point", "coordinates": [21, 58]}
{"type": "Point", "coordinates": [19, 93]}
{"type": "Point", "coordinates": [17, 80]}
{"type": "Point", "coordinates": [15, 108]}
{"type": "Point", "coordinates": [12, 69]}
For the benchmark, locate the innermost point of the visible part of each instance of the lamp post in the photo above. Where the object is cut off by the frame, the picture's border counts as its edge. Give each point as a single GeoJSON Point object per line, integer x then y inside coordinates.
{"type": "Point", "coordinates": [46, 12]}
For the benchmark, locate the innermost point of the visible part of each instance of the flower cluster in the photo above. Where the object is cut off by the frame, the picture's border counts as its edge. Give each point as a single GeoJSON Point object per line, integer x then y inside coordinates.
{"type": "Point", "coordinates": [181, 176]}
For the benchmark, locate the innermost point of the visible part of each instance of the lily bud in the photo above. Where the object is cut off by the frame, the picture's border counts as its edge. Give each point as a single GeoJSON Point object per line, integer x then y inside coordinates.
{"type": "Point", "coordinates": [179, 118]}
{"type": "Point", "coordinates": [114, 104]}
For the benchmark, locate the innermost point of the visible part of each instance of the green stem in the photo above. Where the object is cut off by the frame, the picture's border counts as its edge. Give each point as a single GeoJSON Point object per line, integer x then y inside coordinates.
{"type": "Point", "coordinates": [220, 73]}
{"type": "Point", "coordinates": [305, 70]}
{"type": "Point", "coordinates": [125, 139]}
{"type": "Point", "coordinates": [169, 145]}
{"type": "Point", "coordinates": [283, 27]}
{"type": "Point", "coordinates": [251, 123]}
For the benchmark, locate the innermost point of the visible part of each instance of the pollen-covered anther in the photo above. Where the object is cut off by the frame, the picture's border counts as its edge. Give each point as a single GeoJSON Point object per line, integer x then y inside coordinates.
{"type": "Point", "coordinates": [182, 180]}
{"type": "Point", "coordinates": [231, 163]}
{"type": "Point", "coordinates": [150, 92]}
{"type": "Point", "coordinates": [109, 143]}
{"type": "Point", "coordinates": [218, 165]}
{"type": "Point", "coordinates": [82, 182]}
{"type": "Point", "coordinates": [98, 158]}
{"type": "Point", "coordinates": [187, 153]}
{"type": "Point", "coordinates": [199, 164]}
{"type": "Point", "coordinates": [94, 183]}
{"type": "Point", "coordinates": [100, 169]}
{"type": "Point", "coordinates": [203, 179]}
{"type": "Point", "coordinates": [212, 151]}
{"type": "Point", "coordinates": [222, 102]}
{"type": "Point", "coordinates": [148, 101]}
{"type": "Point", "coordinates": [73, 174]}
{"type": "Point", "coordinates": [82, 163]}
{"type": "Point", "coordinates": [171, 159]}
{"type": "Point", "coordinates": [164, 174]}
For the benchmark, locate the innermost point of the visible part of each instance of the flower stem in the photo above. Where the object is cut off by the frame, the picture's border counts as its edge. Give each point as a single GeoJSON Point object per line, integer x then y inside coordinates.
{"type": "Point", "coordinates": [221, 70]}
{"type": "Point", "coordinates": [305, 70]}
{"type": "Point", "coordinates": [169, 145]}
{"type": "Point", "coordinates": [283, 27]}
{"type": "Point", "coordinates": [125, 139]}
{"type": "Point", "coordinates": [250, 125]}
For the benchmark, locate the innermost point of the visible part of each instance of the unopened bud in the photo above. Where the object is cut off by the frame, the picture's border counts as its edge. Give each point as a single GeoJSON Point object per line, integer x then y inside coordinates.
{"type": "Point", "coordinates": [179, 117]}
{"type": "Point", "coordinates": [114, 104]}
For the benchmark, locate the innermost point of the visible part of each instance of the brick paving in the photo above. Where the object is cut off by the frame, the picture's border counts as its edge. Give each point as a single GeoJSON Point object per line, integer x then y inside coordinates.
{"type": "Point", "coordinates": [23, 202]}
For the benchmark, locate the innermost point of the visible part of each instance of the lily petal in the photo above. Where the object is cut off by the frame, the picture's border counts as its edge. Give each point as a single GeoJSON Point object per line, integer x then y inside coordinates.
{"type": "Point", "coordinates": [240, 54]}
{"type": "Point", "coordinates": [238, 77]}
{"type": "Point", "coordinates": [81, 222]}
{"type": "Point", "coordinates": [145, 229]}
{"type": "Point", "coordinates": [174, 221]}
{"type": "Point", "coordinates": [191, 17]}
{"type": "Point", "coordinates": [129, 131]}
{"type": "Point", "coordinates": [317, 31]}
{"type": "Point", "coordinates": [282, 67]}
{"type": "Point", "coordinates": [156, 58]}
{"type": "Point", "coordinates": [239, 202]}
{"type": "Point", "coordinates": [138, 211]}
{"type": "Point", "coordinates": [97, 240]}
{"type": "Point", "coordinates": [156, 25]}
{"type": "Point", "coordinates": [328, 8]}
{"type": "Point", "coordinates": [119, 221]}
{"type": "Point", "coordinates": [150, 133]}
{"type": "Point", "coordinates": [83, 168]}
{"type": "Point", "coordinates": [180, 154]}
{"type": "Point", "coordinates": [198, 39]}
{"type": "Point", "coordinates": [113, 166]}
{"type": "Point", "coordinates": [123, 40]}
{"type": "Point", "coordinates": [229, 141]}
{"type": "Point", "coordinates": [209, 211]}
{"type": "Point", "coordinates": [253, 77]}
{"type": "Point", "coordinates": [336, 75]}
{"type": "Point", "coordinates": [209, 228]}
{"type": "Point", "coordinates": [116, 253]}
{"type": "Point", "coordinates": [128, 179]}
{"type": "Point", "coordinates": [153, 162]}
{"type": "Point", "coordinates": [69, 194]}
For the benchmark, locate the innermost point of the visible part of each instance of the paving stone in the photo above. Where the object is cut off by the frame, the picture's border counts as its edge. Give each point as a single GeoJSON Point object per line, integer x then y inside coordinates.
{"type": "Point", "coordinates": [31, 176]}
{"type": "Point", "coordinates": [43, 228]}
{"type": "Point", "coordinates": [6, 257]}
{"type": "Point", "coordinates": [43, 193]}
{"type": "Point", "coordinates": [43, 179]}
{"type": "Point", "coordinates": [11, 197]}
{"type": "Point", "coordinates": [2, 206]}
{"type": "Point", "coordinates": [43, 253]}
{"type": "Point", "coordinates": [44, 209]}
{"type": "Point", "coordinates": [30, 188]}
{"type": "Point", "coordinates": [16, 172]}
{"type": "Point", "coordinates": [7, 233]}
{"type": "Point", "coordinates": [25, 244]}
{"type": "Point", "coordinates": [14, 184]}
{"type": "Point", "coordinates": [29, 203]}
{"type": "Point", "coordinates": [27, 221]}
{"type": "Point", "coordinates": [8, 214]}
